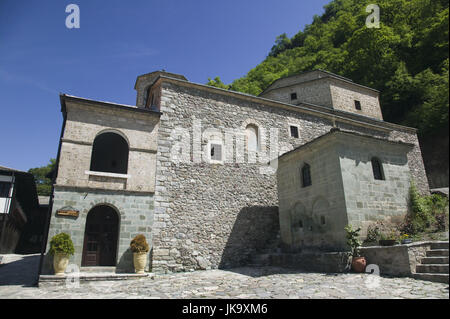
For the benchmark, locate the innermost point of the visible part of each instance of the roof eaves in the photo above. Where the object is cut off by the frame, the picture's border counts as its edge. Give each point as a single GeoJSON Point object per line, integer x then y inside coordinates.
{"type": "Point", "coordinates": [336, 130]}
{"type": "Point", "coordinates": [66, 97]}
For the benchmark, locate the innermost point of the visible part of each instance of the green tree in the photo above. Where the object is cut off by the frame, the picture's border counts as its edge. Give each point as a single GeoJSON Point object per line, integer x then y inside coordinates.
{"type": "Point", "coordinates": [43, 183]}
{"type": "Point", "coordinates": [217, 82]}
{"type": "Point", "coordinates": [406, 59]}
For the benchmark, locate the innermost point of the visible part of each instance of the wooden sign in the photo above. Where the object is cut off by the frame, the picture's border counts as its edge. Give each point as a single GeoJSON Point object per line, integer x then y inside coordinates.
{"type": "Point", "coordinates": [67, 212]}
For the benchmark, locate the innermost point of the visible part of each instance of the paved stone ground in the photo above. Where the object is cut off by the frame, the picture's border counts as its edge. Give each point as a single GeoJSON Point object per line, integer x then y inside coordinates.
{"type": "Point", "coordinates": [266, 282]}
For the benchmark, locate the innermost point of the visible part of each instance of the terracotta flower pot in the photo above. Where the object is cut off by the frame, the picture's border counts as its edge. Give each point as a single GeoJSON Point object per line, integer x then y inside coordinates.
{"type": "Point", "coordinates": [140, 261]}
{"type": "Point", "coordinates": [359, 264]}
{"type": "Point", "coordinates": [60, 262]}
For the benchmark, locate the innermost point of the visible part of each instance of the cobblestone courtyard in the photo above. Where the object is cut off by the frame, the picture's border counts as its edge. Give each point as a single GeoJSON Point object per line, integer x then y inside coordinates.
{"type": "Point", "coordinates": [17, 275]}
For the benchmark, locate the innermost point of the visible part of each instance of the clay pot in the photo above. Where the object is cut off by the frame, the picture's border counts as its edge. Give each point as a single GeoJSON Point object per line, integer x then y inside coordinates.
{"type": "Point", "coordinates": [60, 262]}
{"type": "Point", "coordinates": [140, 261]}
{"type": "Point", "coordinates": [359, 264]}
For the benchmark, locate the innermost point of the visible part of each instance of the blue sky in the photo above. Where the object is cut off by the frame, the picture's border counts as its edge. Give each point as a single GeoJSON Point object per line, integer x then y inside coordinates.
{"type": "Point", "coordinates": [116, 42]}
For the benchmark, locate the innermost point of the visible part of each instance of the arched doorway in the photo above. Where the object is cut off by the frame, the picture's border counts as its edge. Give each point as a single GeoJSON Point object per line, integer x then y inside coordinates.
{"type": "Point", "coordinates": [100, 237]}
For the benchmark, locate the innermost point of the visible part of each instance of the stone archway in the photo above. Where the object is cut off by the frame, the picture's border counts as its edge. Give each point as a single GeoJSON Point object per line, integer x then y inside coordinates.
{"type": "Point", "coordinates": [101, 237]}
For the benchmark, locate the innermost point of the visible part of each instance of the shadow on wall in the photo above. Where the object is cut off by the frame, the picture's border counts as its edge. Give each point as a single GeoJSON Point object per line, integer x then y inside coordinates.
{"type": "Point", "coordinates": [125, 262]}
{"type": "Point", "coordinates": [254, 229]}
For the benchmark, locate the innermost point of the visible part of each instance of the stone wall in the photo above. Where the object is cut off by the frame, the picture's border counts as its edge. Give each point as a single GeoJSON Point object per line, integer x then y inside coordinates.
{"type": "Point", "coordinates": [398, 260]}
{"type": "Point", "coordinates": [315, 92]}
{"type": "Point", "coordinates": [84, 123]}
{"type": "Point", "coordinates": [344, 95]}
{"type": "Point", "coordinates": [135, 212]}
{"type": "Point", "coordinates": [302, 209]}
{"type": "Point", "coordinates": [367, 199]}
{"type": "Point", "coordinates": [343, 189]}
{"type": "Point", "coordinates": [320, 88]}
{"type": "Point", "coordinates": [201, 210]}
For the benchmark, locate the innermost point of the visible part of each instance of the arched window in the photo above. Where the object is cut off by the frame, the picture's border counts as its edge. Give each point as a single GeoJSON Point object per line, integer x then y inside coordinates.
{"type": "Point", "coordinates": [306, 175]}
{"type": "Point", "coordinates": [377, 169]}
{"type": "Point", "coordinates": [110, 154]}
{"type": "Point", "coordinates": [251, 132]}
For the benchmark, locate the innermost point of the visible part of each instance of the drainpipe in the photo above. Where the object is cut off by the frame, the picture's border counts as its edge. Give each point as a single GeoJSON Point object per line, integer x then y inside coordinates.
{"type": "Point", "coordinates": [50, 204]}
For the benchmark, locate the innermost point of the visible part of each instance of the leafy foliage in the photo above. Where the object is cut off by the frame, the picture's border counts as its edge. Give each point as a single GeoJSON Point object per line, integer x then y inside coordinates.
{"type": "Point", "coordinates": [427, 213]}
{"type": "Point", "coordinates": [139, 244]}
{"type": "Point", "coordinates": [382, 230]}
{"type": "Point", "coordinates": [353, 240]}
{"type": "Point", "coordinates": [61, 243]}
{"type": "Point", "coordinates": [406, 59]}
{"type": "Point", "coordinates": [43, 184]}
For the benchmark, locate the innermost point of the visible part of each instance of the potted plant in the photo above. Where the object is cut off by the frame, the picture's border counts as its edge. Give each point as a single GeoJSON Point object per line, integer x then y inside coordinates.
{"type": "Point", "coordinates": [388, 238]}
{"type": "Point", "coordinates": [140, 248]}
{"type": "Point", "coordinates": [405, 239]}
{"type": "Point", "coordinates": [61, 247]}
{"type": "Point", "coordinates": [358, 262]}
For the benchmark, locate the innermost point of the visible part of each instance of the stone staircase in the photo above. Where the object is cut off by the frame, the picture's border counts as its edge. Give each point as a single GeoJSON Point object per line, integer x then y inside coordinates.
{"type": "Point", "coordinates": [434, 267]}
{"type": "Point", "coordinates": [315, 261]}
{"type": "Point", "coordinates": [262, 257]}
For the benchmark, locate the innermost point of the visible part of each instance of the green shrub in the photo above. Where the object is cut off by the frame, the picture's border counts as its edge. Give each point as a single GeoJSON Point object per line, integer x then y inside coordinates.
{"type": "Point", "coordinates": [382, 230]}
{"type": "Point", "coordinates": [427, 213]}
{"type": "Point", "coordinates": [393, 234]}
{"type": "Point", "coordinates": [61, 244]}
{"type": "Point", "coordinates": [373, 233]}
{"type": "Point", "coordinates": [139, 244]}
{"type": "Point", "coordinates": [353, 240]}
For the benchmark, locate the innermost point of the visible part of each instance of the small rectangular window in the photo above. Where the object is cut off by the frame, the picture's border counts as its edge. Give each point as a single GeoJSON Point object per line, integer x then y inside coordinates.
{"type": "Point", "coordinates": [293, 96]}
{"type": "Point", "coordinates": [294, 131]}
{"type": "Point", "coordinates": [216, 152]}
{"type": "Point", "coordinates": [357, 105]}
{"type": "Point", "coordinates": [306, 175]}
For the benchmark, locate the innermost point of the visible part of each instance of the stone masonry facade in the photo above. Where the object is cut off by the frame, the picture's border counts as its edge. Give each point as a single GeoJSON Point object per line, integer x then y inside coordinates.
{"type": "Point", "coordinates": [78, 188]}
{"type": "Point", "coordinates": [343, 189]}
{"type": "Point", "coordinates": [202, 198]}
{"type": "Point", "coordinates": [136, 217]}
{"type": "Point", "coordinates": [209, 216]}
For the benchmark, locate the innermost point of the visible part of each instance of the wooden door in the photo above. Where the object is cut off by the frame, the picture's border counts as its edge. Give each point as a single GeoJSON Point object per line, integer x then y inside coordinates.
{"type": "Point", "coordinates": [100, 237]}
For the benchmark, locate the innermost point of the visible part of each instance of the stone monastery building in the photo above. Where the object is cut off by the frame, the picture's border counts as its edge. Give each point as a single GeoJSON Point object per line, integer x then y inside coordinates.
{"type": "Point", "coordinates": [212, 176]}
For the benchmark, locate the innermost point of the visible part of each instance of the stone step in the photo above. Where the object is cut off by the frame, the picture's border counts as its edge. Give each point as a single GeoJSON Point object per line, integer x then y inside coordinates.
{"type": "Point", "coordinates": [92, 277]}
{"type": "Point", "coordinates": [440, 245]}
{"type": "Point", "coordinates": [98, 269]}
{"type": "Point", "coordinates": [434, 260]}
{"type": "Point", "coordinates": [443, 278]}
{"type": "Point", "coordinates": [437, 253]}
{"type": "Point", "coordinates": [432, 268]}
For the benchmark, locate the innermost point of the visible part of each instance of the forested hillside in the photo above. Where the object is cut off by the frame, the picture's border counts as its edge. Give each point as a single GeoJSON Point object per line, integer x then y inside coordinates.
{"type": "Point", "coordinates": [406, 59]}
